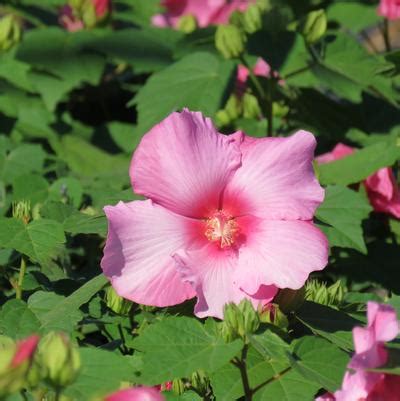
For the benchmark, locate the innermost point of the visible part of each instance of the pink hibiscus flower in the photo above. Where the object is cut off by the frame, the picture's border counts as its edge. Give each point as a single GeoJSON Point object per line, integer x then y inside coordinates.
{"type": "Point", "coordinates": [206, 12]}
{"type": "Point", "coordinates": [382, 190]}
{"type": "Point", "coordinates": [360, 384]}
{"type": "Point", "coordinates": [229, 217]}
{"type": "Point", "coordinates": [72, 24]}
{"type": "Point", "coordinates": [136, 394]}
{"type": "Point", "coordinates": [389, 9]}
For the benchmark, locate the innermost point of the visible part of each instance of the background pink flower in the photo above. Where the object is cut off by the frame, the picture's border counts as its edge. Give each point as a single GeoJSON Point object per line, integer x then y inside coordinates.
{"type": "Point", "coordinates": [359, 383]}
{"type": "Point", "coordinates": [229, 217]}
{"type": "Point", "coordinates": [382, 189]}
{"type": "Point", "coordinates": [389, 9]}
{"type": "Point", "coordinates": [206, 12]}
{"type": "Point", "coordinates": [136, 394]}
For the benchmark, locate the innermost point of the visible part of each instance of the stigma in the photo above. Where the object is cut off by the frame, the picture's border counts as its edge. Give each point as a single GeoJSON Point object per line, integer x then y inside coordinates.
{"type": "Point", "coordinates": [222, 228]}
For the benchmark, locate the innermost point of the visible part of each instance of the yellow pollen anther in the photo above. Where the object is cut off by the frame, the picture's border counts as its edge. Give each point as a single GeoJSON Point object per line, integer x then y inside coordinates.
{"type": "Point", "coordinates": [222, 228]}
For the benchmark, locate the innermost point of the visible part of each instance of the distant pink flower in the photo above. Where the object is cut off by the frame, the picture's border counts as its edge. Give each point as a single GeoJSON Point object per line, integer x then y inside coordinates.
{"type": "Point", "coordinates": [382, 190]}
{"type": "Point", "coordinates": [25, 350]}
{"type": "Point", "coordinates": [359, 384]}
{"type": "Point", "coordinates": [229, 217]}
{"type": "Point", "coordinates": [136, 394]}
{"type": "Point", "coordinates": [389, 9]}
{"type": "Point", "coordinates": [206, 12]}
{"type": "Point", "coordinates": [261, 69]}
{"type": "Point", "coordinates": [72, 24]}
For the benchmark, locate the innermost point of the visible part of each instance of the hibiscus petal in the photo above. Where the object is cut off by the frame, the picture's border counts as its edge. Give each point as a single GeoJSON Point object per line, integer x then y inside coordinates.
{"type": "Point", "coordinates": [211, 272]}
{"type": "Point", "coordinates": [142, 236]}
{"type": "Point", "coordinates": [184, 164]}
{"type": "Point", "coordinates": [281, 253]}
{"type": "Point", "coordinates": [276, 179]}
{"type": "Point", "coordinates": [383, 320]}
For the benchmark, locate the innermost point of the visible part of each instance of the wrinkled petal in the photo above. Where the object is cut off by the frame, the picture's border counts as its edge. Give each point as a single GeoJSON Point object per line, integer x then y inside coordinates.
{"type": "Point", "coordinates": [183, 164]}
{"type": "Point", "coordinates": [142, 236]}
{"type": "Point", "coordinates": [383, 319]}
{"type": "Point", "coordinates": [276, 179]}
{"type": "Point", "coordinates": [211, 272]}
{"type": "Point", "coordinates": [356, 386]}
{"type": "Point", "coordinates": [383, 192]}
{"type": "Point", "coordinates": [281, 253]}
{"type": "Point", "coordinates": [389, 9]}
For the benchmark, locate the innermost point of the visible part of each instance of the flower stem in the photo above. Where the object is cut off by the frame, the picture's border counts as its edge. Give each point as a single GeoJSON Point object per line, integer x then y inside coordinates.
{"type": "Point", "coordinates": [19, 284]}
{"type": "Point", "coordinates": [241, 365]}
{"type": "Point", "coordinates": [270, 104]}
{"type": "Point", "coordinates": [386, 35]}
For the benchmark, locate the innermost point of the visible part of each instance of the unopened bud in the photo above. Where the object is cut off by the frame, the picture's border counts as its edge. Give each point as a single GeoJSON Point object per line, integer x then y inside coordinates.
{"type": "Point", "coordinates": [10, 31]}
{"type": "Point", "coordinates": [22, 210]}
{"type": "Point", "coordinates": [178, 386]}
{"type": "Point", "coordinates": [251, 108]}
{"type": "Point", "coordinates": [200, 381]}
{"type": "Point", "coordinates": [252, 19]}
{"type": "Point", "coordinates": [60, 359]}
{"type": "Point", "coordinates": [320, 293]}
{"type": "Point", "coordinates": [313, 26]}
{"type": "Point", "coordinates": [272, 314]}
{"type": "Point", "coordinates": [290, 300]}
{"type": "Point", "coordinates": [187, 23]}
{"type": "Point", "coordinates": [279, 109]}
{"type": "Point", "coordinates": [230, 40]}
{"type": "Point", "coordinates": [117, 304]}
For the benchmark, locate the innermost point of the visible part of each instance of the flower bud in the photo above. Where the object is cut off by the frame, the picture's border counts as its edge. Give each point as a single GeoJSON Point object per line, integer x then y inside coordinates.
{"type": "Point", "coordinates": [279, 109]}
{"type": "Point", "coordinates": [313, 26]}
{"type": "Point", "coordinates": [178, 387]}
{"type": "Point", "coordinates": [10, 31]}
{"type": "Point", "coordinates": [22, 210]}
{"type": "Point", "coordinates": [251, 108]}
{"type": "Point", "coordinates": [117, 304]}
{"type": "Point", "coordinates": [252, 19]}
{"type": "Point", "coordinates": [318, 292]}
{"type": "Point", "coordinates": [200, 381]}
{"type": "Point", "coordinates": [230, 40]}
{"type": "Point", "coordinates": [60, 359]}
{"type": "Point", "coordinates": [290, 300]}
{"type": "Point", "coordinates": [187, 23]}
{"type": "Point", "coordinates": [272, 314]}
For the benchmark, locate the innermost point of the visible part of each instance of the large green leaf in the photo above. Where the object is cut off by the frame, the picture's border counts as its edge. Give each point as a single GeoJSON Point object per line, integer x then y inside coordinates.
{"type": "Point", "coordinates": [40, 239]}
{"type": "Point", "coordinates": [344, 210]}
{"type": "Point", "coordinates": [177, 346]}
{"type": "Point", "coordinates": [199, 81]}
{"type": "Point", "coordinates": [359, 165]}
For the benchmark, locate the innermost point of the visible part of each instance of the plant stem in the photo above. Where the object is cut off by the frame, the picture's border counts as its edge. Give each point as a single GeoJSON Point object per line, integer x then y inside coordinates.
{"type": "Point", "coordinates": [270, 104]}
{"type": "Point", "coordinates": [254, 79]}
{"type": "Point", "coordinates": [273, 378]}
{"type": "Point", "coordinates": [22, 271]}
{"type": "Point", "coordinates": [386, 35]}
{"type": "Point", "coordinates": [241, 365]}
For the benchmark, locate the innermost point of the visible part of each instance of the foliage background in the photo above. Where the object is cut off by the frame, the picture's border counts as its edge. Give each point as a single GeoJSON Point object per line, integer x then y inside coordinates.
{"type": "Point", "coordinates": [73, 107]}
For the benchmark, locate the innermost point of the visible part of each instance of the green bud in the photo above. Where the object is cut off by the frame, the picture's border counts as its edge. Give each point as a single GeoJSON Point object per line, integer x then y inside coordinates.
{"type": "Point", "coordinates": [89, 16]}
{"type": "Point", "coordinates": [230, 40]}
{"type": "Point", "coordinates": [232, 111]}
{"type": "Point", "coordinates": [272, 314]}
{"type": "Point", "coordinates": [251, 108]}
{"type": "Point", "coordinates": [320, 293]}
{"type": "Point", "coordinates": [187, 23]}
{"type": "Point", "coordinates": [22, 210]}
{"type": "Point", "coordinates": [178, 386]}
{"type": "Point", "coordinates": [252, 19]}
{"type": "Point", "coordinates": [279, 109]}
{"type": "Point", "coordinates": [313, 26]}
{"type": "Point", "coordinates": [59, 358]}
{"type": "Point", "coordinates": [290, 300]}
{"type": "Point", "coordinates": [7, 351]}
{"type": "Point", "coordinates": [200, 381]}
{"type": "Point", "coordinates": [10, 31]}
{"type": "Point", "coordinates": [117, 304]}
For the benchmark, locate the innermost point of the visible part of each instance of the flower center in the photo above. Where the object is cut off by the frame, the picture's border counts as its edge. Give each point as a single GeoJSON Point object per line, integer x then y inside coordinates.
{"type": "Point", "coordinates": [222, 228]}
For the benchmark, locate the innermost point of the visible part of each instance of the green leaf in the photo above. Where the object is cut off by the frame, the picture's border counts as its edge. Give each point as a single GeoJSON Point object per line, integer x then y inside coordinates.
{"type": "Point", "coordinates": [177, 346]}
{"type": "Point", "coordinates": [344, 210]}
{"type": "Point", "coordinates": [22, 160]}
{"type": "Point", "coordinates": [64, 314]}
{"type": "Point", "coordinates": [186, 396]}
{"type": "Point", "coordinates": [17, 320]}
{"type": "Point", "coordinates": [201, 81]}
{"type": "Point", "coordinates": [359, 165]}
{"type": "Point", "coordinates": [67, 188]}
{"type": "Point", "coordinates": [40, 239]}
{"type": "Point", "coordinates": [320, 361]}
{"type": "Point", "coordinates": [30, 187]}
{"type": "Point", "coordinates": [329, 323]}
{"type": "Point", "coordinates": [102, 372]}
